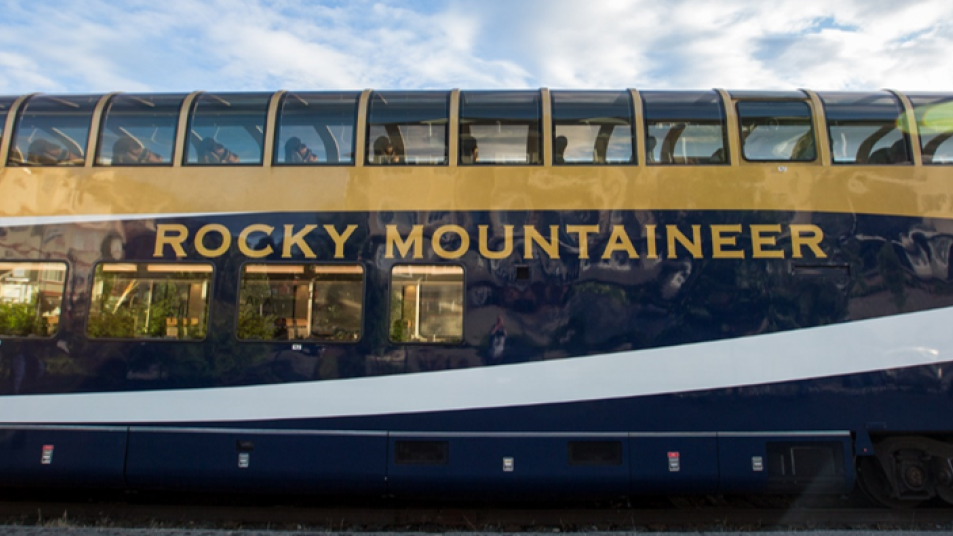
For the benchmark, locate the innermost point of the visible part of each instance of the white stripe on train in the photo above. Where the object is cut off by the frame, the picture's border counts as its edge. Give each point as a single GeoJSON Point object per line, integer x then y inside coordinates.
{"type": "Point", "coordinates": [887, 343]}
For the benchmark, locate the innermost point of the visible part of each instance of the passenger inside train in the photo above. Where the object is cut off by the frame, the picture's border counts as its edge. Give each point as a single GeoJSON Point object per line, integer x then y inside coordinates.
{"type": "Point", "coordinates": [128, 151]}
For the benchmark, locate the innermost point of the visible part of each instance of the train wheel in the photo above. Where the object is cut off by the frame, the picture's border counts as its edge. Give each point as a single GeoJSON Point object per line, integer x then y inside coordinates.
{"type": "Point", "coordinates": [876, 486]}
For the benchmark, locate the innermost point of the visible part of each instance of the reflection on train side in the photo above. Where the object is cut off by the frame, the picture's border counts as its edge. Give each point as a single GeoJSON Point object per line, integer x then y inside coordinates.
{"type": "Point", "coordinates": [31, 296]}
{"type": "Point", "coordinates": [301, 301]}
{"type": "Point", "coordinates": [149, 301]}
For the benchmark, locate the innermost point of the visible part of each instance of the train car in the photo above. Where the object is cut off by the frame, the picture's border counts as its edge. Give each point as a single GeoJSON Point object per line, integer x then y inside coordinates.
{"type": "Point", "coordinates": [478, 293]}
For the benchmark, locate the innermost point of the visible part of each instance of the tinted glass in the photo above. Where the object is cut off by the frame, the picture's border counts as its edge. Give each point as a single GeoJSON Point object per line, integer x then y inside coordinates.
{"type": "Point", "coordinates": [684, 127]}
{"type": "Point", "coordinates": [301, 301]}
{"type": "Point", "coordinates": [935, 123]}
{"type": "Point", "coordinates": [776, 130]}
{"type": "Point", "coordinates": [407, 127]}
{"type": "Point", "coordinates": [149, 301]}
{"type": "Point", "coordinates": [857, 106]}
{"type": "Point", "coordinates": [768, 95]}
{"type": "Point", "coordinates": [316, 128]}
{"type": "Point", "coordinates": [592, 127]}
{"type": "Point", "coordinates": [53, 131]}
{"type": "Point", "coordinates": [227, 128]}
{"type": "Point", "coordinates": [5, 104]}
{"type": "Point", "coordinates": [139, 130]}
{"type": "Point", "coordinates": [31, 295]}
{"type": "Point", "coordinates": [500, 127]}
{"type": "Point", "coordinates": [426, 304]}
{"type": "Point", "coordinates": [865, 128]}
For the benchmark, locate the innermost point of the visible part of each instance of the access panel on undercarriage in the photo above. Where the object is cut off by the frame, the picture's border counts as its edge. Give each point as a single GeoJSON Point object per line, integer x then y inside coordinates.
{"type": "Point", "coordinates": [783, 462]}
{"type": "Point", "coordinates": [62, 456]}
{"type": "Point", "coordinates": [281, 461]}
{"type": "Point", "coordinates": [498, 465]}
{"type": "Point", "coordinates": [674, 462]}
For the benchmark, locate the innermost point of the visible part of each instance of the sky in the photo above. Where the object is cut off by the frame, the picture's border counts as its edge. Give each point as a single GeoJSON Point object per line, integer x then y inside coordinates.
{"type": "Point", "coordinates": [97, 46]}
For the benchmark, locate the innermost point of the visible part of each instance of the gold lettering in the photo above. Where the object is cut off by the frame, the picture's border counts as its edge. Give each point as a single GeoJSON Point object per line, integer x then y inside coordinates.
{"type": "Point", "coordinates": [719, 241]}
{"type": "Point", "coordinates": [243, 241]}
{"type": "Point", "coordinates": [297, 239]}
{"type": "Point", "coordinates": [583, 232]}
{"type": "Point", "coordinates": [212, 228]}
{"type": "Point", "coordinates": [163, 238]}
{"type": "Point", "coordinates": [650, 242]}
{"type": "Point", "coordinates": [414, 240]}
{"type": "Point", "coordinates": [694, 246]}
{"type": "Point", "coordinates": [798, 240]}
{"type": "Point", "coordinates": [759, 241]}
{"type": "Point", "coordinates": [340, 239]}
{"type": "Point", "coordinates": [464, 241]}
{"type": "Point", "coordinates": [619, 241]}
{"type": "Point", "coordinates": [507, 243]}
{"type": "Point", "coordinates": [532, 236]}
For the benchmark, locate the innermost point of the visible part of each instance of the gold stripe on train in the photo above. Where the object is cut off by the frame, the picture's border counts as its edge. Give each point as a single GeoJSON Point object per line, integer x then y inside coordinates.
{"type": "Point", "coordinates": [888, 190]}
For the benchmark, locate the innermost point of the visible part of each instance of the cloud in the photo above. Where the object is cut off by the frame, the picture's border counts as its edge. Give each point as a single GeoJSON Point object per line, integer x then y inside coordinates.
{"type": "Point", "coordinates": [733, 44]}
{"type": "Point", "coordinates": [182, 45]}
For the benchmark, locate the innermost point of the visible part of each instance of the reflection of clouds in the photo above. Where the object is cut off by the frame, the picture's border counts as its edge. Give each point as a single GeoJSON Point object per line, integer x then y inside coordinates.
{"type": "Point", "coordinates": [928, 253]}
{"type": "Point", "coordinates": [673, 283]}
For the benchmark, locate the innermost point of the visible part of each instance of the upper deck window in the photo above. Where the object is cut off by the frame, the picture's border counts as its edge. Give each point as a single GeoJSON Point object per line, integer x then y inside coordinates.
{"type": "Point", "coordinates": [53, 131]}
{"type": "Point", "coordinates": [316, 128]}
{"type": "Point", "coordinates": [684, 127]}
{"type": "Point", "coordinates": [5, 104]}
{"type": "Point", "coordinates": [500, 127]}
{"type": "Point", "coordinates": [592, 127]}
{"type": "Point", "coordinates": [227, 129]}
{"type": "Point", "coordinates": [407, 127]}
{"type": "Point", "coordinates": [139, 130]}
{"type": "Point", "coordinates": [865, 128]}
{"type": "Point", "coordinates": [776, 131]}
{"type": "Point", "coordinates": [935, 123]}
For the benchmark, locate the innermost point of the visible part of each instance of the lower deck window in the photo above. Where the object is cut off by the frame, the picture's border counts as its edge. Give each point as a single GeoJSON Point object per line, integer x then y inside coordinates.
{"type": "Point", "coordinates": [301, 302]}
{"type": "Point", "coordinates": [150, 301]}
{"type": "Point", "coordinates": [31, 295]}
{"type": "Point", "coordinates": [426, 304]}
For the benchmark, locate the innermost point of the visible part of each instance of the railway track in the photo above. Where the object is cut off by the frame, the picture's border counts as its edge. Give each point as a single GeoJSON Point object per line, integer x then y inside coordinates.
{"type": "Point", "coordinates": [692, 513]}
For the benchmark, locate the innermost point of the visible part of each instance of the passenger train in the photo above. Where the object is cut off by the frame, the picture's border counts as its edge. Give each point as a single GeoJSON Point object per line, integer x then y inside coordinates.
{"type": "Point", "coordinates": [479, 293]}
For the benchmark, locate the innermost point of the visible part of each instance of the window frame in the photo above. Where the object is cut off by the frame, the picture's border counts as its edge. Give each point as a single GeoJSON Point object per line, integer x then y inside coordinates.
{"type": "Point", "coordinates": [278, 124]}
{"type": "Point", "coordinates": [208, 313]}
{"type": "Point", "coordinates": [66, 290]}
{"type": "Point", "coordinates": [17, 125]}
{"type": "Point", "coordinates": [829, 123]}
{"type": "Point", "coordinates": [463, 306]}
{"type": "Point", "coordinates": [369, 144]}
{"type": "Point", "coordinates": [364, 293]}
{"type": "Point", "coordinates": [942, 99]}
{"type": "Point", "coordinates": [810, 118]}
{"type": "Point", "coordinates": [170, 162]}
{"type": "Point", "coordinates": [725, 133]}
{"type": "Point", "coordinates": [541, 130]}
{"type": "Point", "coordinates": [634, 160]}
{"type": "Point", "coordinates": [191, 118]}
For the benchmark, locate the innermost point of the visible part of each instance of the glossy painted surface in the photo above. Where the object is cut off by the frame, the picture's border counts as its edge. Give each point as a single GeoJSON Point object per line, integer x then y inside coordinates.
{"type": "Point", "coordinates": [613, 286]}
{"type": "Point", "coordinates": [551, 308]}
{"type": "Point", "coordinates": [878, 190]}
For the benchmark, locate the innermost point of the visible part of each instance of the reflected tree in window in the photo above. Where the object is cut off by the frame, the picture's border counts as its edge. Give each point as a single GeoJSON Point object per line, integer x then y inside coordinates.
{"type": "Point", "coordinates": [151, 301]}
{"type": "Point", "coordinates": [426, 304]}
{"type": "Point", "coordinates": [301, 302]}
{"type": "Point", "coordinates": [31, 296]}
